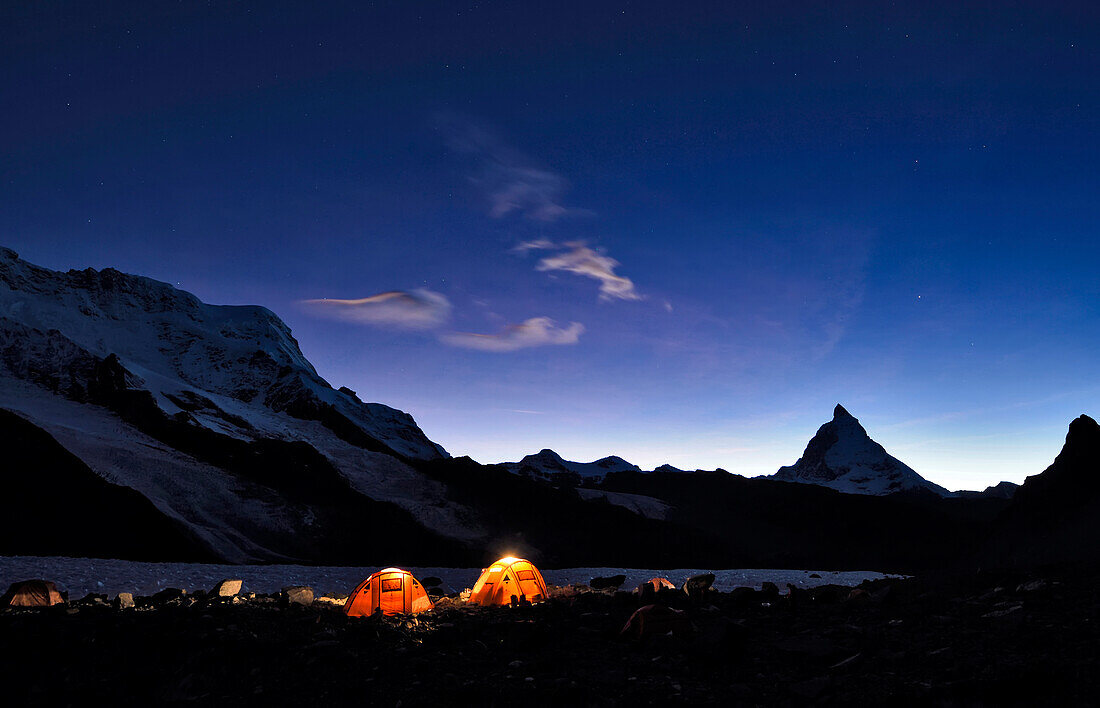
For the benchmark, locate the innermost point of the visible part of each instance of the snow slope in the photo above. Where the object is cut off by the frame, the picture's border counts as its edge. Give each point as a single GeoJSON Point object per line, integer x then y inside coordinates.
{"type": "Point", "coordinates": [241, 357]}
{"type": "Point", "coordinates": [82, 352]}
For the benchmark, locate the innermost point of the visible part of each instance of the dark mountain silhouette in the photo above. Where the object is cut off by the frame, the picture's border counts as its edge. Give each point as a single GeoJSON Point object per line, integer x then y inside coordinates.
{"type": "Point", "coordinates": [1054, 517]}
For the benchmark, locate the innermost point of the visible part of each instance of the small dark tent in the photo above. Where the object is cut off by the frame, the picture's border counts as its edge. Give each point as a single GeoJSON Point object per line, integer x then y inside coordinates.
{"type": "Point", "coordinates": [653, 585]}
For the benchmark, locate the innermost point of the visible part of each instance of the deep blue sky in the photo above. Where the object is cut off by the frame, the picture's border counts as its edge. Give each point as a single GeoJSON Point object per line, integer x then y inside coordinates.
{"type": "Point", "coordinates": [891, 207]}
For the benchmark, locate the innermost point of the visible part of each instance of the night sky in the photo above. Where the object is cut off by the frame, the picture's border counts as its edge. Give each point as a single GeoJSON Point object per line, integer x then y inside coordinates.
{"type": "Point", "coordinates": [676, 234]}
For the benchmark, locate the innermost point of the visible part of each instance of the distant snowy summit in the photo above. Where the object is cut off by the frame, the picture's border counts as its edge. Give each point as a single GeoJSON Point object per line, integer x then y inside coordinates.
{"type": "Point", "coordinates": [549, 465]}
{"type": "Point", "coordinates": [842, 456]}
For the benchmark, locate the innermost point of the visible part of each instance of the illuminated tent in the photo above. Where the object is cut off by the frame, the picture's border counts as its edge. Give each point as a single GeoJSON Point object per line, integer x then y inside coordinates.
{"type": "Point", "coordinates": [31, 593]}
{"type": "Point", "coordinates": [394, 591]}
{"type": "Point", "coordinates": [508, 578]}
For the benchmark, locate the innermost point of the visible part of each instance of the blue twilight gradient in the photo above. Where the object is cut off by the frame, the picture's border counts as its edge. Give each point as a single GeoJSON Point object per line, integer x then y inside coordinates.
{"type": "Point", "coordinates": [891, 207]}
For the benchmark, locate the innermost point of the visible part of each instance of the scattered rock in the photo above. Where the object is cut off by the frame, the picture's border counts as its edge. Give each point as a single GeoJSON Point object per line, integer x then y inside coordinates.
{"type": "Point", "coordinates": [168, 596]}
{"type": "Point", "coordinates": [124, 600]}
{"type": "Point", "coordinates": [697, 585]}
{"type": "Point", "coordinates": [742, 595]}
{"type": "Point", "coordinates": [1031, 586]}
{"type": "Point", "coordinates": [846, 663]}
{"type": "Point", "coordinates": [1003, 611]}
{"type": "Point", "coordinates": [93, 600]}
{"type": "Point", "coordinates": [227, 588]}
{"type": "Point", "coordinates": [858, 595]}
{"type": "Point", "coordinates": [297, 595]}
{"type": "Point", "coordinates": [602, 583]}
{"type": "Point", "coordinates": [654, 620]}
{"type": "Point", "coordinates": [829, 594]}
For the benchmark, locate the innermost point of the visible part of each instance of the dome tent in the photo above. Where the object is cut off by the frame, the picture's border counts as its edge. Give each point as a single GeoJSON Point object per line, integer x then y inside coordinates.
{"type": "Point", "coordinates": [507, 578]}
{"type": "Point", "coordinates": [32, 593]}
{"type": "Point", "coordinates": [392, 590]}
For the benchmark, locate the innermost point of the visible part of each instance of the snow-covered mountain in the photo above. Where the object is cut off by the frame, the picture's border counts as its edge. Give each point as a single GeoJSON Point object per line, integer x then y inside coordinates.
{"type": "Point", "coordinates": [210, 412]}
{"type": "Point", "coordinates": [181, 350]}
{"type": "Point", "coordinates": [547, 464]}
{"type": "Point", "coordinates": [843, 457]}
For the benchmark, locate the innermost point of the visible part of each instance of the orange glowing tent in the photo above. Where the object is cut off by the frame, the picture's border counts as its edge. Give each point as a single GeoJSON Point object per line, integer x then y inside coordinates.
{"type": "Point", "coordinates": [508, 578]}
{"type": "Point", "coordinates": [32, 593]}
{"type": "Point", "coordinates": [394, 591]}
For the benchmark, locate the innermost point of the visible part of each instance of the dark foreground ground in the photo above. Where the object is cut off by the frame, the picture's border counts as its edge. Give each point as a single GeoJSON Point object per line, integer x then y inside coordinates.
{"type": "Point", "coordinates": [988, 640]}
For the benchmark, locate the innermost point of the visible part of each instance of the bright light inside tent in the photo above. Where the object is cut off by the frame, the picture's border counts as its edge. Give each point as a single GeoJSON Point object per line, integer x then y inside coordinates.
{"type": "Point", "coordinates": [508, 560]}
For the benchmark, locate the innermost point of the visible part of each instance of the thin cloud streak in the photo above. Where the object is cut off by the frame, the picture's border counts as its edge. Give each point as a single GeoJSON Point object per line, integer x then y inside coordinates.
{"type": "Point", "coordinates": [578, 258]}
{"type": "Point", "coordinates": [418, 309]}
{"type": "Point", "coordinates": [511, 181]}
{"type": "Point", "coordinates": [534, 332]}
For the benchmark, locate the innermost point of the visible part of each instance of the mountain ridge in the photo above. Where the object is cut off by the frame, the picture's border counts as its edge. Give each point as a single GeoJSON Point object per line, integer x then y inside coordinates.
{"type": "Point", "coordinates": [241, 452]}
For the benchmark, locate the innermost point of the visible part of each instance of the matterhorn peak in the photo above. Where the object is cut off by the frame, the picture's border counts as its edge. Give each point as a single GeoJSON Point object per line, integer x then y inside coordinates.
{"type": "Point", "coordinates": [843, 456]}
{"type": "Point", "coordinates": [841, 412]}
{"type": "Point", "coordinates": [1082, 424]}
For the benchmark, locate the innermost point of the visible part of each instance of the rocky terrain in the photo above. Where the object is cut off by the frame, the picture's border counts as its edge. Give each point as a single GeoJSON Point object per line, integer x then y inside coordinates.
{"type": "Point", "coordinates": [988, 639]}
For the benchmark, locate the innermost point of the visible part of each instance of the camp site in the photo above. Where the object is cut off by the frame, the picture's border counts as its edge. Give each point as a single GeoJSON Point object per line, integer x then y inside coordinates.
{"type": "Point", "coordinates": [579, 354]}
{"type": "Point", "coordinates": [629, 637]}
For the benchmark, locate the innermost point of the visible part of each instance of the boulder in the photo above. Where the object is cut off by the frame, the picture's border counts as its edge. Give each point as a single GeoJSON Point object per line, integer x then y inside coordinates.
{"type": "Point", "coordinates": [297, 595]}
{"type": "Point", "coordinates": [124, 600]}
{"type": "Point", "coordinates": [652, 620]}
{"type": "Point", "coordinates": [227, 588]}
{"type": "Point", "coordinates": [603, 583]}
{"type": "Point", "coordinates": [431, 581]}
{"type": "Point", "coordinates": [858, 595]}
{"type": "Point", "coordinates": [829, 594]}
{"type": "Point", "coordinates": [797, 596]}
{"type": "Point", "coordinates": [769, 590]}
{"type": "Point", "coordinates": [173, 596]}
{"type": "Point", "coordinates": [1031, 586]}
{"type": "Point", "coordinates": [93, 599]}
{"type": "Point", "coordinates": [697, 585]}
{"type": "Point", "coordinates": [742, 595]}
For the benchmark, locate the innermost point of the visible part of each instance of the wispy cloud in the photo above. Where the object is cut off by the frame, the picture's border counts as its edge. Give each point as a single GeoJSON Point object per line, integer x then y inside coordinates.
{"type": "Point", "coordinates": [535, 332]}
{"type": "Point", "coordinates": [576, 257]}
{"type": "Point", "coordinates": [415, 309]}
{"type": "Point", "coordinates": [511, 181]}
